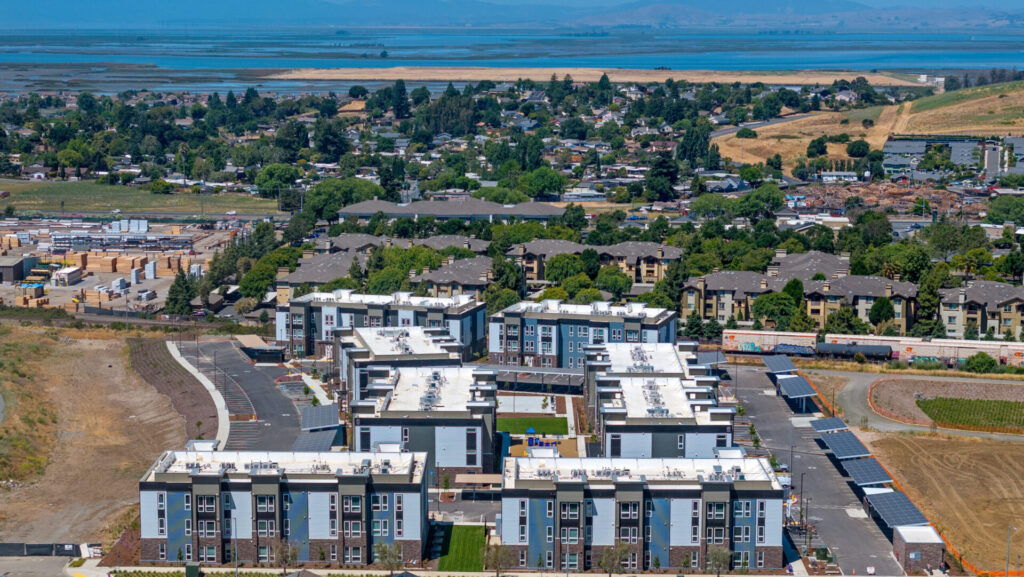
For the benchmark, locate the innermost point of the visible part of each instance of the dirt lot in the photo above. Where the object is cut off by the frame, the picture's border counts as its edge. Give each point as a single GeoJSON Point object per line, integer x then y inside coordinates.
{"type": "Point", "coordinates": [900, 395]}
{"type": "Point", "coordinates": [110, 427]}
{"type": "Point", "coordinates": [829, 386]}
{"type": "Point", "coordinates": [970, 489]}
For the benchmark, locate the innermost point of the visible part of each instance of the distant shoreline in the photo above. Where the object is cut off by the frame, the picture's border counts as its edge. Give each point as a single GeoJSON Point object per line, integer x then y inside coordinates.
{"type": "Point", "coordinates": [620, 75]}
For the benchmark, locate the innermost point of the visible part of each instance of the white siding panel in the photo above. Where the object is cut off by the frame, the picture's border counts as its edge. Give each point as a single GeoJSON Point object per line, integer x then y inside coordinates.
{"type": "Point", "coordinates": [406, 318]}
{"type": "Point", "coordinates": [380, 435]}
{"type": "Point", "coordinates": [604, 521]}
{"type": "Point", "coordinates": [319, 515]}
{"type": "Point", "coordinates": [700, 445]}
{"type": "Point", "coordinates": [636, 445]}
{"type": "Point", "coordinates": [148, 514]}
{"type": "Point", "coordinates": [773, 523]}
{"type": "Point", "coordinates": [281, 321]}
{"type": "Point", "coordinates": [241, 512]}
{"type": "Point", "coordinates": [493, 340]}
{"type": "Point", "coordinates": [328, 322]}
{"type": "Point", "coordinates": [681, 532]}
{"type": "Point", "coordinates": [411, 515]}
{"type": "Point", "coordinates": [510, 521]}
{"type": "Point", "coordinates": [450, 446]}
{"type": "Point", "coordinates": [455, 330]}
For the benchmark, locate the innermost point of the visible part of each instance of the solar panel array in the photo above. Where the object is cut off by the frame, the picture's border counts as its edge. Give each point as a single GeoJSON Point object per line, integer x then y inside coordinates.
{"type": "Point", "coordinates": [845, 445]}
{"type": "Point", "coordinates": [779, 364]}
{"type": "Point", "coordinates": [829, 425]}
{"type": "Point", "coordinates": [319, 417]}
{"type": "Point", "coordinates": [710, 358]}
{"type": "Point", "coordinates": [317, 442]}
{"type": "Point", "coordinates": [867, 472]}
{"type": "Point", "coordinates": [796, 387]}
{"type": "Point", "coordinates": [896, 509]}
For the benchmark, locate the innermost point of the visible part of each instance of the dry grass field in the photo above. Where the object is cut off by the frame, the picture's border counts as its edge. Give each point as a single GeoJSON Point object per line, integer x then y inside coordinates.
{"type": "Point", "coordinates": [107, 427]}
{"type": "Point", "coordinates": [970, 489]}
{"type": "Point", "coordinates": [983, 111]}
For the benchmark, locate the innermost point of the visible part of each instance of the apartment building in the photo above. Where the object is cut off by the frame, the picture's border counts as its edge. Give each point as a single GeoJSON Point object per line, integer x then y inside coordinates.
{"type": "Point", "coordinates": [209, 506]}
{"type": "Point", "coordinates": [365, 354]}
{"type": "Point", "coordinates": [644, 262]}
{"type": "Point", "coordinates": [724, 294]}
{"type": "Point", "coordinates": [562, 513]}
{"type": "Point", "coordinates": [552, 333]}
{"type": "Point", "coordinates": [985, 304]}
{"type": "Point", "coordinates": [448, 413]}
{"type": "Point", "coordinates": [653, 400]}
{"type": "Point", "coordinates": [822, 298]}
{"type": "Point", "coordinates": [463, 277]}
{"type": "Point", "coordinates": [306, 324]}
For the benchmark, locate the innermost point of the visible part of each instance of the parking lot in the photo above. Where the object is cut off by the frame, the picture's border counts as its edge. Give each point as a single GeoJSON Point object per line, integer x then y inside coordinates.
{"type": "Point", "coordinates": [828, 497]}
{"type": "Point", "coordinates": [247, 390]}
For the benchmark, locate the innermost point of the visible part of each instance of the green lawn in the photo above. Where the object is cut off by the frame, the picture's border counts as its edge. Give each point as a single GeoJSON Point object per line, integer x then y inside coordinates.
{"type": "Point", "coordinates": [91, 197]}
{"type": "Point", "coordinates": [974, 413]}
{"type": "Point", "coordinates": [542, 425]}
{"type": "Point", "coordinates": [463, 545]}
{"type": "Point", "coordinates": [948, 98]}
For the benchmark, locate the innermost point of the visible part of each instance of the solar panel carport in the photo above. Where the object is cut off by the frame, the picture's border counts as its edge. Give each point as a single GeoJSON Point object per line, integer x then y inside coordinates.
{"type": "Point", "coordinates": [779, 364]}
{"type": "Point", "coordinates": [867, 472]}
{"type": "Point", "coordinates": [711, 358]}
{"type": "Point", "coordinates": [796, 387]}
{"type": "Point", "coordinates": [896, 510]}
{"type": "Point", "coordinates": [829, 425]}
{"type": "Point", "coordinates": [845, 445]}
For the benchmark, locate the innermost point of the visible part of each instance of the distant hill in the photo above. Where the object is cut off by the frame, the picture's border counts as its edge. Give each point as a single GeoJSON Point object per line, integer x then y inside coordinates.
{"type": "Point", "coordinates": [775, 14]}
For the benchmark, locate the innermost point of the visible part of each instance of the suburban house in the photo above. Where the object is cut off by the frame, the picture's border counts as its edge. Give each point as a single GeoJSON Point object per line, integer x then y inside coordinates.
{"type": "Point", "coordinates": [644, 262]}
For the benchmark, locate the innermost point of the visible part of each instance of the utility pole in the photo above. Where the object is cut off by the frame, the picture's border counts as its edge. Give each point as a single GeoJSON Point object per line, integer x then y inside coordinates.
{"type": "Point", "coordinates": [1008, 534]}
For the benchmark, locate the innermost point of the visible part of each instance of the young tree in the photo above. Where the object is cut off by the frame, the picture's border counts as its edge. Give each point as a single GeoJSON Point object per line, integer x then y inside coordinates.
{"type": "Point", "coordinates": [497, 557]}
{"type": "Point", "coordinates": [612, 557]}
{"type": "Point", "coordinates": [388, 556]}
{"type": "Point", "coordinates": [284, 553]}
{"type": "Point", "coordinates": [718, 559]}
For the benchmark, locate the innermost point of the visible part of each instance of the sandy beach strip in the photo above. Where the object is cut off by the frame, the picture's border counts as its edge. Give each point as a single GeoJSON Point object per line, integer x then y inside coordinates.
{"type": "Point", "coordinates": [495, 74]}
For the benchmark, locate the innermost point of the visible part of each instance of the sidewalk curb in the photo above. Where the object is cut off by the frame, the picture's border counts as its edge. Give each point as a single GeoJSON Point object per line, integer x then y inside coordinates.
{"type": "Point", "coordinates": [223, 425]}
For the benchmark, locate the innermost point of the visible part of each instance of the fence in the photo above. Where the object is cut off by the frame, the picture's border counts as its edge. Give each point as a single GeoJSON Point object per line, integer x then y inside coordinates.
{"type": "Point", "coordinates": [40, 550]}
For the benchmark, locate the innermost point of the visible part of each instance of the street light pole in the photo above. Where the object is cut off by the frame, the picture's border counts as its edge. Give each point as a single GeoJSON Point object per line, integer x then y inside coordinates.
{"type": "Point", "coordinates": [1008, 535]}
{"type": "Point", "coordinates": [801, 497]}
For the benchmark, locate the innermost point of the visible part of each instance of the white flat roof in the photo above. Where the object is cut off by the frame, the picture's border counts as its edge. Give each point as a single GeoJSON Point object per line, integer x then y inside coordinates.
{"type": "Point", "coordinates": [399, 298]}
{"type": "Point", "coordinates": [399, 341]}
{"type": "Point", "coordinates": [655, 397]}
{"type": "Point", "coordinates": [432, 389]}
{"type": "Point", "coordinates": [918, 534]}
{"type": "Point", "coordinates": [602, 308]}
{"type": "Point", "coordinates": [647, 358]}
{"type": "Point", "coordinates": [677, 470]}
{"type": "Point", "coordinates": [285, 462]}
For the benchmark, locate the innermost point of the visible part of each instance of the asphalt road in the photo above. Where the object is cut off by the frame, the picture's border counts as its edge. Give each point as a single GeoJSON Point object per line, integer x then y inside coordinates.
{"type": "Point", "coordinates": [833, 507]}
{"type": "Point", "coordinates": [854, 402]}
{"type": "Point", "coordinates": [277, 419]}
{"type": "Point", "coordinates": [756, 125]}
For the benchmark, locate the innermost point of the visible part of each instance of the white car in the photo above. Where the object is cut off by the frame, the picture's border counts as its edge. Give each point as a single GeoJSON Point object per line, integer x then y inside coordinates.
{"type": "Point", "coordinates": [231, 213]}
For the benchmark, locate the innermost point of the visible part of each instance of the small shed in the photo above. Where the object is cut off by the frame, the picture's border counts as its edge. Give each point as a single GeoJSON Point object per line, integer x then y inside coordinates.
{"type": "Point", "coordinates": [918, 548]}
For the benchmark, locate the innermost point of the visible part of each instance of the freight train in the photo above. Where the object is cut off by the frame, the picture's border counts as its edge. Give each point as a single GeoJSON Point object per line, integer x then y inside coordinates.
{"type": "Point", "coordinates": [872, 347]}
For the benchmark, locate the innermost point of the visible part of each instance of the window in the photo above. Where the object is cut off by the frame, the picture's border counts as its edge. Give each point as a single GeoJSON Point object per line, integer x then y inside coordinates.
{"type": "Point", "coordinates": [681, 442]}
{"type": "Point", "coordinates": [522, 557]}
{"type": "Point", "coordinates": [572, 330]}
{"type": "Point", "coordinates": [721, 440]}
{"type": "Point", "coordinates": [333, 498]}
{"type": "Point", "coordinates": [188, 551]}
{"type": "Point", "coordinates": [352, 504]}
{"type": "Point", "coordinates": [286, 502]}
{"type": "Point", "coordinates": [545, 331]}
{"type": "Point", "coordinates": [716, 510]}
{"type": "Point", "coordinates": [570, 535]}
{"type": "Point", "coordinates": [380, 528]}
{"type": "Point", "coordinates": [616, 335]}
{"type": "Point", "coordinates": [549, 534]}
{"type": "Point", "coordinates": [695, 534]}
{"type": "Point", "coordinates": [471, 452]}
{"type": "Point", "coordinates": [226, 527]}
{"type": "Point", "coordinates": [648, 509]}
{"type": "Point", "coordinates": [760, 509]}
{"type": "Point", "coordinates": [570, 510]}
{"type": "Point", "coordinates": [741, 509]}
{"type": "Point", "coordinates": [334, 527]}
{"type": "Point", "coordinates": [549, 559]}
{"type": "Point", "coordinates": [379, 502]}
{"type": "Point", "coordinates": [161, 526]}
{"type": "Point", "coordinates": [615, 445]}
{"type": "Point", "coordinates": [163, 551]}
{"type": "Point", "coordinates": [399, 528]}
{"type": "Point", "coordinates": [647, 534]}
{"type": "Point", "coordinates": [570, 561]}
{"type": "Point", "coordinates": [513, 331]}
{"type": "Point", "coordinates": [529, 346]}
{"type": "Point", "coordinates": [513, 346]}
{"type": "Point", "coordinates": [550, 508]}
{"type": "Point", "coordinates": [207, 528]}
{"type": "Point", "coordinates": [353, 554]}
{"type": "Point", "coordinates": [399, 502]}
{"type": "Point", "coordinates": [208, 554]}
{"type": "Point", "coordinates": [353, 528]}
{"type": "Point", "coordinates": [741, 534]}
{"type": "Point", "coordinates": [588, 534]}
{"type": "Point", "coordinates": [696, 509]}
{"type": "Point", "coordinates": [716, 535]}
{"type": "Point", "coordinates": [206, 504]}
{"type": "Point", "coordinates": [522, 507]}
{"type": "Point", "coordinates": [405, 434]}
{"type": "Point", "coordinates": [188, 527]}
{"type": "Point", "coordinates": [334, 552]}
{"type": "Point", "coordinates": [582, 332]}
{"type": "Point", "coordinates": [694, 558]}
{"type": "Point", "coordinates": [161, 499]}
{"type": "Point", "coordinates": [188, 501]}
{"type": "Point", "coordinates": [632, 336]}
{"type": "Point", "coordinates": [760, 533]}
{"type": "Point", "coordinates": [522, 533]}
{"type": "Point", "coordinates": [740, 559]}
{"type": "Point", "coordinates": [263, 553]}
{"type": "Point", "coordinates": [629, 534]}
{"type": "Point", "coordinates": [598, 336]}
{"type": "Point", "coordinates": [265, 528]}
{"type": "Point", "coordinates": [760, 558]}
{"type": "Point", "coordinates": [286, 527]}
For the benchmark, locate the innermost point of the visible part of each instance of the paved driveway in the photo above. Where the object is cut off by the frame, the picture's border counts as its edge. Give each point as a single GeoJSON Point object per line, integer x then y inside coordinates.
{"type": "Point", "coordinates": [833, 507]}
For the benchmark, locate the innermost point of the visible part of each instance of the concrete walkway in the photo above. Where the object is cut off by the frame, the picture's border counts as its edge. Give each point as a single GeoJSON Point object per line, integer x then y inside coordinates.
{"type": "Point", "coordinates": [854, 402]}
{"type": "Point", "coordinates": [223, 422]}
